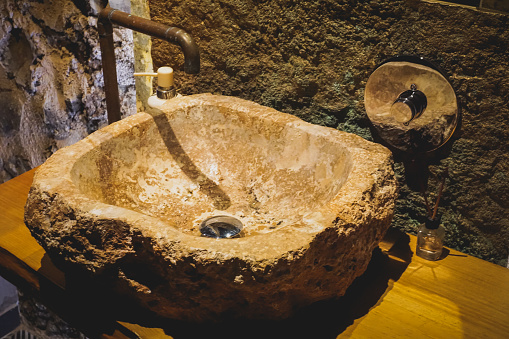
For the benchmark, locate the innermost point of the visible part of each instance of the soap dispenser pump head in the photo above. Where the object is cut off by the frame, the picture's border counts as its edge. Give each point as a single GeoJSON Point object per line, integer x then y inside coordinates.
{"type": "Point", "coordinates": [165, 77]}
{"type": "Point", "coordinates": [165, 88]}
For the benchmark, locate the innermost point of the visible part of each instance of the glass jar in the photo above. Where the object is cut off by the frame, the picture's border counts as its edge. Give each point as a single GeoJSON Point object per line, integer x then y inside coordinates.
{"type": "Point", "coordinates": [430, 240]}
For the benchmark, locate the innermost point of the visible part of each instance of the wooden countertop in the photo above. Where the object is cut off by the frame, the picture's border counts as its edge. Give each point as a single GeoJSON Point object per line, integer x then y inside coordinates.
{"type": "Point", "coordinates": [399, 296]}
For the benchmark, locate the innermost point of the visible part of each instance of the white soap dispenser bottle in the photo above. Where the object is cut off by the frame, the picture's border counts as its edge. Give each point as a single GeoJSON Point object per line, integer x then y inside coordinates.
{"type": "Point", "coordinates": [165, 89]}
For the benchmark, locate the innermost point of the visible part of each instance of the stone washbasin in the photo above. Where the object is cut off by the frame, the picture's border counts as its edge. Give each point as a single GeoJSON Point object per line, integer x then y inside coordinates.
{"type": "Point", "coordinates": [124, 205]}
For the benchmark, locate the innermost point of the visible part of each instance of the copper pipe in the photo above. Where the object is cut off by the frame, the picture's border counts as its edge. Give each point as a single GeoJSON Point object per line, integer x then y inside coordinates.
{"type": "Point", "coordinates": [110, 16]}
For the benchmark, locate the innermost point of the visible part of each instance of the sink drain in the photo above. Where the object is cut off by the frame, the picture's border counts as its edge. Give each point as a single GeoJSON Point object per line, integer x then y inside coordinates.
{"type": "Point", "coordinates": [220, 226]}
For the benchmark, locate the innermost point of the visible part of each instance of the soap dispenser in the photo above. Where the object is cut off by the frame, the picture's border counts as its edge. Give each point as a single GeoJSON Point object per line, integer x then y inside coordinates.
{"type": "Point", "coordinates": [165, 89]}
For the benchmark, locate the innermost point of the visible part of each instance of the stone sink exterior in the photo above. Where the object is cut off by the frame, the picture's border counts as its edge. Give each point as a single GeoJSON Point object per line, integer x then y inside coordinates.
{"type": "Point", "coordinates": [123, 206]}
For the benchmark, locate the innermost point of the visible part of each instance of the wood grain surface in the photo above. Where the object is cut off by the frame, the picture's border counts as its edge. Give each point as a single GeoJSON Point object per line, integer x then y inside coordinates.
{"type": "Point", "coordinates": [399, 296]}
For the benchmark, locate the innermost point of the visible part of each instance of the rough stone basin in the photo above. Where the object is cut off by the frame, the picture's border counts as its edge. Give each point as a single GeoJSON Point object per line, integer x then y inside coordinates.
{"type": "Point", "coordinates": [124, 205]}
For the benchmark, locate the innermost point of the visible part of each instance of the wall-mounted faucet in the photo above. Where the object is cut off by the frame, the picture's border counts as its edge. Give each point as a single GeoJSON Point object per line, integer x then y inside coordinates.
{"type": "Point", "coordinates": [110, 16]}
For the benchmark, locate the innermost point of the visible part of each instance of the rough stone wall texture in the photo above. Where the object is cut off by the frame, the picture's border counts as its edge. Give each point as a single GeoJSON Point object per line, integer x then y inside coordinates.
{"type": "Point", "coordinates": [313, 58]}
{"type": "Point", "coordinates": [51, 82]}
{"type": "Point", "coordinates": [143, 57]}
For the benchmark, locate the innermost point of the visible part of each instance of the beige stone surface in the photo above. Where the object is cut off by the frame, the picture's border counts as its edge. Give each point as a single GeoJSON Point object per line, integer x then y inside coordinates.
{"type": "Point", "coordinates": [142, 45]}
{"type": "Point", "coordinates": [124, 204]}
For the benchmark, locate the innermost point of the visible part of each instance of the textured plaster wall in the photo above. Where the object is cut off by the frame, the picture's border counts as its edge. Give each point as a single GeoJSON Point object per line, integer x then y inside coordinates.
{"type": "Point", "coordinates": [51, 85]}
{"type": "Point", "coordinates": [313, 58]}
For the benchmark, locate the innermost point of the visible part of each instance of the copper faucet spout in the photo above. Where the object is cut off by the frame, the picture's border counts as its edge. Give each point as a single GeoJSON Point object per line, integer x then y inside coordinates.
{"type": "Point", "coordinates": [110, 16]}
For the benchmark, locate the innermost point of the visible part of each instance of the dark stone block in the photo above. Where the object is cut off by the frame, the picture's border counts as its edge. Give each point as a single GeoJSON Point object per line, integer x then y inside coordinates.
{"type": "Point", "coordinates": [9, 321]}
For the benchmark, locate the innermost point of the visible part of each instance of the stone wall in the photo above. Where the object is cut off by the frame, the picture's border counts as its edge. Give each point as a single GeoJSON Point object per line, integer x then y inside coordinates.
{"type": "Point", "coordinates": [51, 85]}
{"type": "Point", "coordinates": [313, 58]}
{"type": "Point", "coordinates": [307, 58]}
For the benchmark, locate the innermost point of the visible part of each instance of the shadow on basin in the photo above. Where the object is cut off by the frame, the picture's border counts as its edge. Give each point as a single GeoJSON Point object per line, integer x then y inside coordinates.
{"type": "Point", "coordinates": [207, 186]}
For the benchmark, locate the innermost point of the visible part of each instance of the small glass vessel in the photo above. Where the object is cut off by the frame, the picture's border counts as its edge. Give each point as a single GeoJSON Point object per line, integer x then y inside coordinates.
{"type": "Point", "coordinates": [430, 240]}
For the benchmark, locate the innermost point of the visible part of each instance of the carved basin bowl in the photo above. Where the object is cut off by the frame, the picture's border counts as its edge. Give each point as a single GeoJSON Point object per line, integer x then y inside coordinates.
{"type": "Point", "coordinates": [125, 204]}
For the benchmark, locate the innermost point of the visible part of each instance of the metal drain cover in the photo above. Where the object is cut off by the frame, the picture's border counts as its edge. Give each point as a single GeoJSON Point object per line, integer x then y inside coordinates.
{"type": "Point", "coordinates": [221, 226]}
